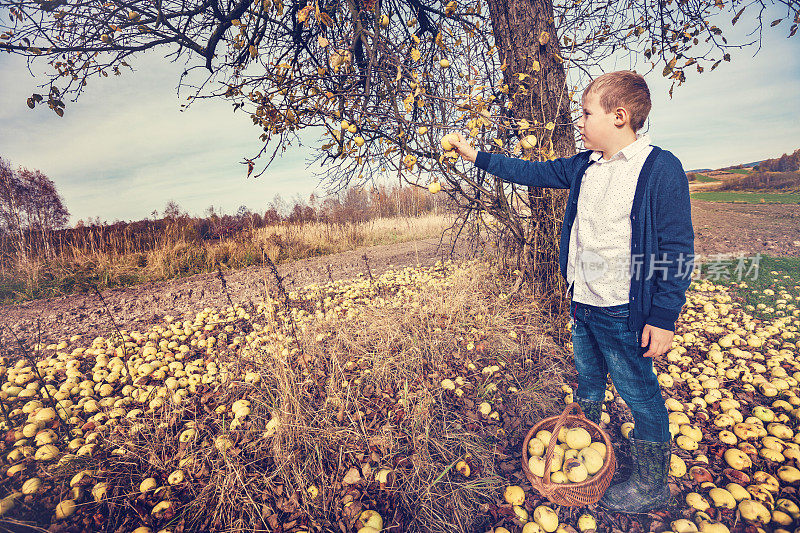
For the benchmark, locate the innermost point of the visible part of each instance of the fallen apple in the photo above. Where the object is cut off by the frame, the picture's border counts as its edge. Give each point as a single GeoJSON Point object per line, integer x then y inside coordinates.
{"type": "Point", "coordinates": [697, 501]}
{"type": "Point", "coordinates": [722, 498]}
{"type": "Point", "coordinates": [546, 518]}
{"type": "Point", "coordinates": [683, 525]}
{"type": "Point", "coordinates": [712, 526]}
{"type": "Point", "coordinates": [754, 512]}
{"type": "Point", "coordinates": [737, 459]}
{"type": "Point", "coordinates": [677, 466]}
{"type": "Point", "coordinates": [700, 474]}
{"type": "Point", "coordinates": [514, 495]}
{"type": "Point", "coordinates": [738, 492]}
{"type": "Point", "coordinates": [789, 474]}
{"type": "Point", "coordinates": [736, 476]}
{"type": "Point", "coordinates": [586, 523]}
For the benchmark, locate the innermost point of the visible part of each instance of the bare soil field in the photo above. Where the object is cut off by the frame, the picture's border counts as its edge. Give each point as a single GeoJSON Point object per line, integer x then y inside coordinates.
{"type": "Point", "coordinates": [720, 228]}
{"type": "Point", "coordinates": [733, 228]}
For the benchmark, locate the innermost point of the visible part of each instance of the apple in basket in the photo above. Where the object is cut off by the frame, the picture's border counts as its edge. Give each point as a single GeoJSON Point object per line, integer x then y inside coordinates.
{"type": "Point", "coordinates": [575, 459]}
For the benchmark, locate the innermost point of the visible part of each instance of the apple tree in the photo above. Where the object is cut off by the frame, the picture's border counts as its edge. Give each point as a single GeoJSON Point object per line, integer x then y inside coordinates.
{"type": "Point", "coordinates": [384, 80]}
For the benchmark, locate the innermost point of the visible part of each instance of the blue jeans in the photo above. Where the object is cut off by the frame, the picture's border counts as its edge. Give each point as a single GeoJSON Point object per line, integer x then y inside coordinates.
{"type": "Point", "coordinates": [603, 345]}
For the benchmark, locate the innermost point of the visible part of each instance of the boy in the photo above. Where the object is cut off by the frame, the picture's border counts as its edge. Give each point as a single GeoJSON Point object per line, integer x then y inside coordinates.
{"type": "Point", "coordinates": [627, 250]}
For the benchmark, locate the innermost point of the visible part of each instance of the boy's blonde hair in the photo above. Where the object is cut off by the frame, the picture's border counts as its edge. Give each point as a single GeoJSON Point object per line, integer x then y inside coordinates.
{"type": "Point", "coordinates": [623, 88]}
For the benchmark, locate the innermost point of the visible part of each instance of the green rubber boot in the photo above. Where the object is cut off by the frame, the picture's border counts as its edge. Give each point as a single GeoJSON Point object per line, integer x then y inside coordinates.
{"type": "Point", "coordinates": [591, 410]}
{"type": "Point", "coordinates": [646, 489]}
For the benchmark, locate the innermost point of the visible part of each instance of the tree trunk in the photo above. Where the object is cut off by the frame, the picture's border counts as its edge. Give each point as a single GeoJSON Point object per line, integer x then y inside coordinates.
{"type": "Point", "coordinates": [544, 97]}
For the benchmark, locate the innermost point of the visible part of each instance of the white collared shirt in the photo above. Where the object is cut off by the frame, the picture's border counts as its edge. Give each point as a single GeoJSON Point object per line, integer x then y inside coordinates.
{"type": "Point", "coordinates": [600, 239]}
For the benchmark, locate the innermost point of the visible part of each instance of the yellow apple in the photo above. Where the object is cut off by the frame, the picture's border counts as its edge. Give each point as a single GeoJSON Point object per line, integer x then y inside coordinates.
{"type": "Point", "coordinates": [447, 141]}
{"type": "Point", "coordinates": [546, 518]}
{"type": "Point", "coordinates": [514, 495]}
{"type": "Point", "coordinates": [578, 438]}
{"type": "Point", "coordinates": [528, 142]}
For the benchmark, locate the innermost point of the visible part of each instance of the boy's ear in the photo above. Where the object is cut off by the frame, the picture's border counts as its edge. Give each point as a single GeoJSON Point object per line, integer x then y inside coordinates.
{"type": "Point", "coordinates": [621, 117]}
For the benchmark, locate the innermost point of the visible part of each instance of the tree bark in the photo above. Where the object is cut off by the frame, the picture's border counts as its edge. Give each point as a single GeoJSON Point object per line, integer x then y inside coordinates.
{"type": "Point", "coordinates": [517, 26]}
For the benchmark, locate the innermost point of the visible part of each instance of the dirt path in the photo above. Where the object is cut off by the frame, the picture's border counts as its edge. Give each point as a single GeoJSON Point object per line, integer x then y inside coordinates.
{"type": "Point", "coordinates": [136, 307]}
{"type": "Point", "coordinates": [720, 228]}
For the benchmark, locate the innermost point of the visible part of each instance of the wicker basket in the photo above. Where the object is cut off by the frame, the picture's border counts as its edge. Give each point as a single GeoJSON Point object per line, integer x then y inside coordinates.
{"type": "Point", "coordinates": [570, 494]}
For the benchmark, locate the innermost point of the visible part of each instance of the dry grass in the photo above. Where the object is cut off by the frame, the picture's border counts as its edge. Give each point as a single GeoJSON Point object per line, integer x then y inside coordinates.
{"type": "Point", "coordinates": [355, 394]}
{"type": "Point", "coordinates": [339, 237]}
{"type": "Point", "coordinates": [76, 270]}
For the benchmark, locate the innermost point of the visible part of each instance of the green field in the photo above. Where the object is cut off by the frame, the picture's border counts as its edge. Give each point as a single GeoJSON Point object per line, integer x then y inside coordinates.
{"type": "Point", "coordinates": [748, 197]}
{"type": "Point", "coordinates": [702, 178]}
{"type": "Point", "coordinates": [739, 171]}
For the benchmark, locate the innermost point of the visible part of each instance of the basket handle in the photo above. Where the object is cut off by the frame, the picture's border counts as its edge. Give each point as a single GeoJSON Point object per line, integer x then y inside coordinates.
{"type": "Point", "coordinates": [562, 419]}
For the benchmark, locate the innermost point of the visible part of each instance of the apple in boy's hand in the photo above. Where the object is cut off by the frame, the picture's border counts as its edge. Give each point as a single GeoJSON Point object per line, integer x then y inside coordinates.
{"type": "Point", "coordinates": [457, 142]}
{"type": "Point", "coordinates": [447, 141]}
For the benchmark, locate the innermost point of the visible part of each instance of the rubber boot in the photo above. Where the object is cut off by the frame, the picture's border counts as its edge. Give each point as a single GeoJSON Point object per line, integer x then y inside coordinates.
{"type": "Point", "coordinates": [591, 410]}
{"type": "Point", "coordinates": [647, 488]}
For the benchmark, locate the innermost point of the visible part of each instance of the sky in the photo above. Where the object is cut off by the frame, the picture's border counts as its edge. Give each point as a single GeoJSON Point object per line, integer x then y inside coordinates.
{"type": "Point", "coordinates": [125, 148]}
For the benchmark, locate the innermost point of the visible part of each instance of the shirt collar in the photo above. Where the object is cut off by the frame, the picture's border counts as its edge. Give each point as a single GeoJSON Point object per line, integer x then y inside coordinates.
{"type": "Point", "coordinates": [642, 141]}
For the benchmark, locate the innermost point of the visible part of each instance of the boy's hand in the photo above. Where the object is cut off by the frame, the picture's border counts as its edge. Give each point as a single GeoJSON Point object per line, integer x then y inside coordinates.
{"type": "Point", "coordinates": [660, 340]}
{"type": "Point", "coordinates": [463, 148]}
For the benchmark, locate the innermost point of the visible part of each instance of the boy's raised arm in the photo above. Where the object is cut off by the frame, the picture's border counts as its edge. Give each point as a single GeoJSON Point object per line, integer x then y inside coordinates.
{"type": "Point", "coordinates": [553, 174]}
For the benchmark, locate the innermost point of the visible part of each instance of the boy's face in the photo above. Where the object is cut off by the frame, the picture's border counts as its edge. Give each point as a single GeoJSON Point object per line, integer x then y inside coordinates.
{"type": "Point", "coordinates": [598, 127]}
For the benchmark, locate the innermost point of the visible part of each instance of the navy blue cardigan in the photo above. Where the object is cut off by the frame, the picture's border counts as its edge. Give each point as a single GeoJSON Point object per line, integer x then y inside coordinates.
{"type": "Point", "coordinates": [662, 237]}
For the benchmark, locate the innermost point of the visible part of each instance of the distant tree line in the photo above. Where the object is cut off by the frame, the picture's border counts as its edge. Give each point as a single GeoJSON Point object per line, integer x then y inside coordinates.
{"type": "Point", "coordinates": [33, 218]}
{"type": "Point", "coordinates": [779, 174]}
{"type": "Point", "coordinates": [354, 205]}
{"type": "Point", "coordinates": [784, 163]}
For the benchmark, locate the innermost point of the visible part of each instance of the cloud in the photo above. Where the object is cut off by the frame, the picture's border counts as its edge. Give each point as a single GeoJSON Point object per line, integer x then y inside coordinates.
{"type": "Point", "coordinates": [743, 111]}
{"type": "Point", "coordinates": [125, 148]}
